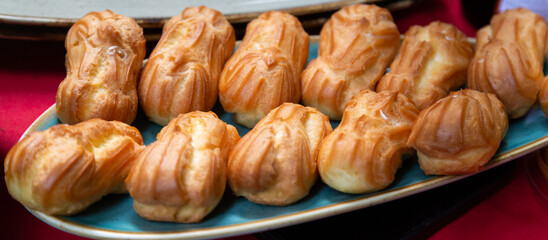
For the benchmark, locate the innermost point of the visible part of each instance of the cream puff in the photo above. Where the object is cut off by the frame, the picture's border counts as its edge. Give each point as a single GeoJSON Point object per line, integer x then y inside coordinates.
{"type": "Point", "coordinates": [265, 70]}
{"type": "Point", "coordinates": [182, 73]}
{"type": "Point", "coordinates": [365, 150]}
{"type": "Point", "coordinates": [275, 163]}
{"type": "Point", "coordinates": [356, 46]}
{"type": "Point", "coordinates": [105, 52]}
{"type": "Point", "coordinates": [182, 176]}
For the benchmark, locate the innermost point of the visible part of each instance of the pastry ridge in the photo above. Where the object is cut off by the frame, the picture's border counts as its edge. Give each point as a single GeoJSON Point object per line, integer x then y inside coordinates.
{"type": "Point", "coordinates": [460, 133]}
{"type": "Point", "coordinates": [105, 52]}
{"type": "Point", "coordinates": [356, 46]}
{"type": "Point", "coordinates": [182, 73]}
{"type": "Point", "coordinates": [66, 168]}
{"type": "Point", "coordinates": [364, 152]}
{"type": "Point", "coordinates": [432, 61]}
{"type": "Point", "coordinates": [265, 70]}
{"type": "Point", "coordinates": [275, 163]}
{"type": "Point", "coordinates": [182, 176]}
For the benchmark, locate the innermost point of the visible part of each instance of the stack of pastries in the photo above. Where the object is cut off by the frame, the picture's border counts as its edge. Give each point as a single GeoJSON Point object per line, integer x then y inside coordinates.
{"type": "Point", "coordinates": [183, 175]}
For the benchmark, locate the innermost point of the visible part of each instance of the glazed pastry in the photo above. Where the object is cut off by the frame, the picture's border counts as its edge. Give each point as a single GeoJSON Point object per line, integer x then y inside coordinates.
{"type": "Point", "coordinates": [265, 70]}
{"type": "Point", "coordinates": [431, 62]}
{"type": "Point", "coordinates": [356, 46]}
{"type": "Point", "coordinates": [510, 72]}
{"type": "Point", "coordinates": [275, 163]}
{"type": "Point", "coordinates": [105, 52]}
{"type": "Point", "coordinates": [460, 133]}
{"type": "Point", "coordinates": [64, 169]}
{"type": "Point", "coordinates": [182, 73]}
{"type": "Point", "coordinates": [543, 96]}
{"type": "Point", "coordinates": [182, 176]}
{"type": "Point", "coordinates": [365, 150]}
{"type": "Point", "coordinates": [520, 26]}
{"type": "Point", "coordinates": [509, 59]}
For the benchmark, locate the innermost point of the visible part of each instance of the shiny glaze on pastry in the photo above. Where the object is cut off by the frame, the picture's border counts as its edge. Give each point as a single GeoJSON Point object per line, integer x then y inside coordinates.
{"type": "Point", "coordinates": [460, 133]}
{"type": "Point", "coordinates": [182, 176]}
{"type": "Point", "coordinates": [432, 61]}
{"type": "Point", "coordinates": [265, 70]}
{"type": "Point", "coordinates": [356, 46]}
{"type": "Point", "coordinates": [105, 52]}
{"type": "Point", "coordinates": [64, 169]}
{"type": "Point", "coordinates": [509, 59]}
{"type": "Point", "coordinates": [365, 150]}
{"type": "Point", "coordinates": [182, 73]}
{"type": "Point", "coordinates": [520, 26]}
{"type": "Point", "coordinates": [510, 72]}
{"type": "Point", "coordinates": [275, 163]}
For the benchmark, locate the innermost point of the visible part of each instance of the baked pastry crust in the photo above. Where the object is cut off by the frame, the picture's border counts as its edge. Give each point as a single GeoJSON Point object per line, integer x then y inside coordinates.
{"type": "Point", "coordinates": [275, 163]}
{"type": "Point", "coordinates": [460, 133]}
{"type": "Point", "coordinates": [521, 26]}
{"type": "Point", "coordinates": [182, 73]}
{"type": "Point", "coordinates": [356, 46]}
{"type": "Point", "coordinates": [510, 72]}
{"type": "Point", "coordinates": [509, 59]}
{"type": "Point", "coordinates": [265, 70]}
{"type": "Point", "coordinates": [365, 150]}
{"type": "Point", "coordinates": [543, 96]}
{"type": "Point", "coordinates": [182, 176]}
{"type": "Point", "coordinates": [64, 169]}
{"type": "Point", "coordinates": [432, 61]}
{"type": "Point", "coordinates": [105, 52]}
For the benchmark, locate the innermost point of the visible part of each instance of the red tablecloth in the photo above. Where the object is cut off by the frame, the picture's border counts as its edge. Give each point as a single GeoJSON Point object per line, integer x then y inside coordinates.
{"type": "Point", "coordinates": [31, 71]}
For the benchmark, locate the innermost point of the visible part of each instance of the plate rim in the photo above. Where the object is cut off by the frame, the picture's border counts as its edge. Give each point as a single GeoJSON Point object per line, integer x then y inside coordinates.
{"type": "Point", "coordinates": [157, 22]}
{"type": "Point", "coordinates": [279, 221]}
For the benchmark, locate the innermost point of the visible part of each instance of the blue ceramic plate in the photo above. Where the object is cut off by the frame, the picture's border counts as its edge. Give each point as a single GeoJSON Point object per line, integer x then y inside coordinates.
{"type": "Point", "coordinates": [114, 218]}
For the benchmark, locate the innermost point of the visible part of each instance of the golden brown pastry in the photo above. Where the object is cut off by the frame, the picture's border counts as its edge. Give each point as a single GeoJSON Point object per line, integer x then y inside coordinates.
{"type": "Point", "coordinates": [509, 59]}
{"type": "Point", "coordinates": [543, 96]}
{"type": "Point", "coordinates": [460, 133]}
{"type": "Point", "coordinates": [510, 72]}
{"type": "Point", "coordinates": [265, 70]}
{"type": "Point", "coordinates": [64, 169]}
{"type": "Point", "coordinates": [105, 52]}
{"type": "Point", "coordinates": [182, 73]}
{"type": "Point", "coordinates": [520, 26]}
{"type": "Point", "coordinates": [275, 163]}
{"type": "Point", "coordinates": [356, 46]}
{"type": "Point", "coordinates": [182, 176]}
{"type": "Point", "coordinates": [365, 150]}
{"type": "Point", "coordinates": [431, 62]}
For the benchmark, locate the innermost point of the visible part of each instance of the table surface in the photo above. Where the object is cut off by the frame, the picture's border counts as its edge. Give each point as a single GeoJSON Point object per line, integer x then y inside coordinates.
{"type": "Point", "coordinates": [30, 72]}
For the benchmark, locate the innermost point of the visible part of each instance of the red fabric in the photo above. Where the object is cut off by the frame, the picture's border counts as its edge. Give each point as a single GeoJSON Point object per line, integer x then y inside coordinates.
{"type": "Point", "coordinates": [31, 71]}
{"type": "Point", "coordinates": [512, 213]}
